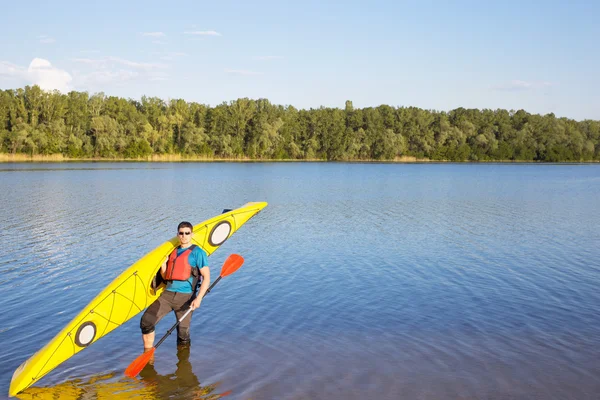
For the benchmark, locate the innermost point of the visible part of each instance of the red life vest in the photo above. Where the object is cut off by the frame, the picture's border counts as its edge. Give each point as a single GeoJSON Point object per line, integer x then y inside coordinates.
{"type": "Point", "coordinates": [178, 267]}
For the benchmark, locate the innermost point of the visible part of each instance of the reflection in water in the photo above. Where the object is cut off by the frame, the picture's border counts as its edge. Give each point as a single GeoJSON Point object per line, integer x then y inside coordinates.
{"type": "Point", "coordinates": [109, 386]}
{"type": "Point", "coordinates": [182, 384]}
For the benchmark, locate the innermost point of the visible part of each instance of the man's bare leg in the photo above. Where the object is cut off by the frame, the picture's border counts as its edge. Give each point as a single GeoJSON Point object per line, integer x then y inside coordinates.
{"type": "Point", "coordinates": [148, 341]}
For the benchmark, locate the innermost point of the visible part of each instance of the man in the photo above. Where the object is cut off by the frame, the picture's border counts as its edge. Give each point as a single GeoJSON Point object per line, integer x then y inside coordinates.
{"type": "Point", "coordinates": [184, 266]}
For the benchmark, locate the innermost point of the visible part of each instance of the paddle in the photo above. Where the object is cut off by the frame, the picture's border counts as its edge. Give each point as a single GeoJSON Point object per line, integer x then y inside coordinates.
{"type": "Point", "coordinates": [232, 264]}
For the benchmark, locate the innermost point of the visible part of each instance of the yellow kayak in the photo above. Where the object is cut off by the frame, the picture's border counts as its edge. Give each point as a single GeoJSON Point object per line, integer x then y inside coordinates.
{"type": "Point", "coordinates": [131, 292]}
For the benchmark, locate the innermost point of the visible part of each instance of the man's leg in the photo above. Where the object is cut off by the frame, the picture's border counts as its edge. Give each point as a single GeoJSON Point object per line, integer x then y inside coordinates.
{"type": "Point", "coordinates": [153, 314]}
{"type": "Point", "coordinates": [181, 305]}
{"type": "Point", "coordinates": [148, 340]}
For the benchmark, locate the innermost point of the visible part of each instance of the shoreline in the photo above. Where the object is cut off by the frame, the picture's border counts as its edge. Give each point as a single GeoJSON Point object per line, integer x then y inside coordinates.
{"type": "Point", "coordinates": [59, 158]}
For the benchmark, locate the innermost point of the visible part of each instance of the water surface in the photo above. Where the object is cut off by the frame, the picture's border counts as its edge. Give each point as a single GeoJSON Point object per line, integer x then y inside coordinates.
{"type": "Point", "coordinates": [387, 281]}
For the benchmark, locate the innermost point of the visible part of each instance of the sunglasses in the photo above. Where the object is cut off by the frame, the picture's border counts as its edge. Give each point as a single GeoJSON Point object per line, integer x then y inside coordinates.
{"type": "Point", "coordinates": [184, 233]}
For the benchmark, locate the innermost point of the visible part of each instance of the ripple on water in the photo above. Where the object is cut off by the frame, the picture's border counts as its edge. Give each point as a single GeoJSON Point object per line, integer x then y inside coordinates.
{"type": "Point", "coordinates": [360, 280]}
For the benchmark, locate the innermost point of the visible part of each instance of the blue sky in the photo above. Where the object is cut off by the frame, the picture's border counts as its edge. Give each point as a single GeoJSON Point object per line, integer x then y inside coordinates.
{"type": "Point", "coordinates": [541, 56]}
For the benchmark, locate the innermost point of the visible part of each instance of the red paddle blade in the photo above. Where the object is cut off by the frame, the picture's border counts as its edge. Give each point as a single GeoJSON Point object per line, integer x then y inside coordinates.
{"type": "Point", "coordinates": [139, 363]}
{"type": "Point", "coordinates": [232, 264]}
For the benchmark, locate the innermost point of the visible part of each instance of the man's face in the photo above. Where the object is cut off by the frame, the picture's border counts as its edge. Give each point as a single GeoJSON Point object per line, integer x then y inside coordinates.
{"type": "Point", "coordinates": [185, 235]}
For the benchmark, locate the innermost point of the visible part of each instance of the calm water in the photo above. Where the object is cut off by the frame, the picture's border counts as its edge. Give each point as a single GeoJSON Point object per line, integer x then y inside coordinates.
{"type": "Point", "coordinates": [361, 281]}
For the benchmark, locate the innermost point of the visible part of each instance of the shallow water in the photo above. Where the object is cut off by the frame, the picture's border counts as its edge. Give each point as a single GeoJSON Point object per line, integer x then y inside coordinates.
{"type": "Point", "coordinates": [420, 281]}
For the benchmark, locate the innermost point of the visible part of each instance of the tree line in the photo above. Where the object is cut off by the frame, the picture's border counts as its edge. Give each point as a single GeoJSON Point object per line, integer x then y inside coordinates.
{"type": "Point", "coordinates": [80, 125]}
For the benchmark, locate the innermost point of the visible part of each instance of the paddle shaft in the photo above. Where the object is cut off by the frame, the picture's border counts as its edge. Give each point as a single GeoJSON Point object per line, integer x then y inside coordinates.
{"type": "Point", "coordinates": [185, 315]}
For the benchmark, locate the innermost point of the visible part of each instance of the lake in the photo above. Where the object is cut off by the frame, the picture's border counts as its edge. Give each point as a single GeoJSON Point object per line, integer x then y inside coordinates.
{"type": "Point", "coordinates": [361, 280]}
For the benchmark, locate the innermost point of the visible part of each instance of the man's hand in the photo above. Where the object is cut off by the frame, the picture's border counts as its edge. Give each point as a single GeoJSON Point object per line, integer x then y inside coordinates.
{"type": "Point", "coordinates": [196, 303]}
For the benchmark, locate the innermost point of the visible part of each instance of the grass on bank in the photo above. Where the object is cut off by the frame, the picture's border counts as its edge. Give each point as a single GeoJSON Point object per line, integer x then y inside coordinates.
{"type": "Point", "coordinates": [57, 158]}
{"type": "Point", "coordinates": [168, 158]}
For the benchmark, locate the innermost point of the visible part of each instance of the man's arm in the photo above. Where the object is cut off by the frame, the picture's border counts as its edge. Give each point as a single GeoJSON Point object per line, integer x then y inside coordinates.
{"type": "Point", "coordinates": [163, 268]}
{"type": "Point", "coordinates": [205, 272]}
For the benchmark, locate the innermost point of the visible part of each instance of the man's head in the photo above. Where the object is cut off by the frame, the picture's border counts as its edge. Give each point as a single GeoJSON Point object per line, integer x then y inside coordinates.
{"type": "Point", "coordinates": [184, 232]}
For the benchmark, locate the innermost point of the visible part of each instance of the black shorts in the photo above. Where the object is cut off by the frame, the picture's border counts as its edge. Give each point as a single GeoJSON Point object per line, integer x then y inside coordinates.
{"type": "Point", "coordinates": [167, 302]}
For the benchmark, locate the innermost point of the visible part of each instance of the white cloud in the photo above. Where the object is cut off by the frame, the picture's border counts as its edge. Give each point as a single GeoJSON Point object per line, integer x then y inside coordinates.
{"type": "Point", "coordinates": [153, 34]}
{"type": "Point", "coordinates": [90, 73]}
{"type": "Point", "coordinates": [40, 72]}
{"type": "Point", "coordinates": [136, 65]}
{"type": "Point", "coordinates": [242, 72]}
{"type": "Point", "coordinates": [203, 33]}
{"type": "Point", "coordinates": [89, 61]}
{"type": "Point", "coordinates": [169, 56]}
{"type": "Point", "coordinates": [519, 85]}
{"type": "Point", "coordinates": [104, 71]}
{"type": "Point", "coordinates": [43, 74]}
{"type": "Point", "coordinates": [266, 58]}
{"type": "Point", "coordinates": [45, 39]}
{"type": "Point", "coordinates": [9, 69]}
{"type": "Point", "coordinates": [106, 77]}
{"type": "Point", "coordinates": [107, 62]}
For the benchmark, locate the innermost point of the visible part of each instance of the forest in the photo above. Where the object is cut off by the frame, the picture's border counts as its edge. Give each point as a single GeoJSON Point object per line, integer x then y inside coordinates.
{"type": "Point", "coordinates": [78, 125]}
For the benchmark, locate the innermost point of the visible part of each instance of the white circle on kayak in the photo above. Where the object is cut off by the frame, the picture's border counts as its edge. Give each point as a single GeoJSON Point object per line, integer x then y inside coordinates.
{"type": "Point", "coordinates": [220, 233]}
{"type": "Point", "coordinates": [85, 334]}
